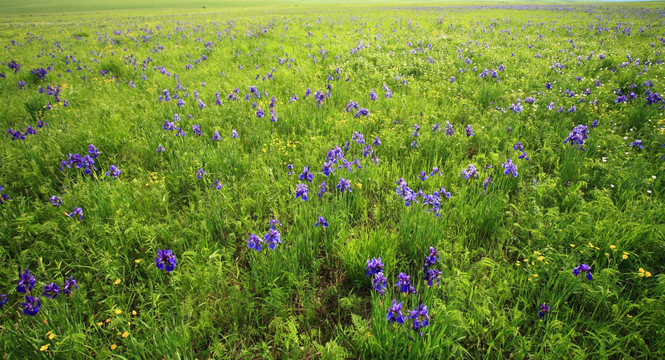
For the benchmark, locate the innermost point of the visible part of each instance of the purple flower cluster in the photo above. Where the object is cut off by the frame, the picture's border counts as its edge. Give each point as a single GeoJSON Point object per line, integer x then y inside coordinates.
{"type": "Point", "coordinates": [272, 238]}
{"type": "Point", "coordinates": [577, 136]}
{"type": "Point", "coordinates": [166, 260]}
{"type": "Point", "coordinates": [25, 285]}
{"type": "Point", "coordinates": [87, 162]}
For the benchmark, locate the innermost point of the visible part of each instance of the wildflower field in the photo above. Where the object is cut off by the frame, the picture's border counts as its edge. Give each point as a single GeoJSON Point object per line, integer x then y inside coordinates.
{"type": "Point", "coordinates": [350, 181]}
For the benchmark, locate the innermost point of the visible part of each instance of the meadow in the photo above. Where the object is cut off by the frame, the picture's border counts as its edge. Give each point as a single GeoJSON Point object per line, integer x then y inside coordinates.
{"type": "Point", "coordinates": [353, 181]}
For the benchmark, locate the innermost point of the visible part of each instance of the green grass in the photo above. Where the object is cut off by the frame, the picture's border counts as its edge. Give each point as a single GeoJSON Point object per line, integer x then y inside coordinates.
{"type": "Point", "coordinates": [504, 250]}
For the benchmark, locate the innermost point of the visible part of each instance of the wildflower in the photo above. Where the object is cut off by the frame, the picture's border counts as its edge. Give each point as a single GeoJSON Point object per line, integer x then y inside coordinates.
{"type": "Point", "coordinates": [543, 309]}
{"type": "Point", "coordinates": [290, 168]}
{"type": "Point", "coordinates": [583, 268]}
{"type": "Point", "coordinates": [468, 131]}
{"type": "Point", "coordinates": [322, 189]}
{"type": "Point", "coordinates": [301, 191]}
{"type": "Point", "coordinates": [234, 134]}
{"type": "Point", "coordinates": [636, 143]}
{"type": "Point", "coordinates": [362, 112]}
{"type": "Point", "coordinates": [165, 260]}
{"type": "Point", "coordinates": [449, 129]}
{"type": "Point", "coordinates": [55, 200]}
{"type": "Point", "coordinates": [306, 174]}
{"type": "Point", "coordinates": [260, 113]}
{"type": "Point", "coordinates": [254, 242]}
{"type": "Point", "coordinates": [114, 346]}
{"type": "Point", "coordinates": [321, 221]}
{"type": "Point", "coordinates": [25, 279]}
{"type": "Point", "coordinates": [510, 167]}
{"type": "Point", "coordinates": [372, 95]}
{"type": "Point", "coordinates": [432, 257]}
{"type": "Point", "coordinates": [201, 104]}
{"type": "Point", "coordinates": [217, 185]}
{"type": "Point", "coordinates": [274, 223]}
{"type": "Point", "coordinates": [469, 172]}
{"type": "Point", "coordinates": [374, 266]}
{"type": "Point", "coordinates": [113, 172]}
{"type": "Point", "coordinates": [395, 313]}
{"type": "Point", "coordinates": [92, 150]}
{"type": "Point", "coordinates": [31, 305]}
{"type": "Point", "coordinates": [3, 300]}
{"type": "Point", "coordinates": [379, 283]}
{"type": "Point", "coordinates": [404, 284]}
{"type": "Point", "coordinates": [487, 182]}
{"type": "Point", "coordinates": [160, 148]}
{"type": "Point", "coordinates": [343, 185]}
{"type": "Point", "coordinates": [272, 238]}
{"type": "Point", "coordinates": [423, 176]}
{"type": "Point", "coordinates": [77, 211]}
{"type": "Point", "coordinates": [200, 173]}
{"type": "Point", "coordinates": [376, 142]}
{"type": "Point", "coordinates": [67, 289]}
{"type": "Point", "coordinates": [420, 317]}
{"type": "Point", "coordinates": [216, 136]}
{"type": "Point", "coordinates": [51, 290]}
{"type": "Point", "coordinates": [196, 129]}
{"type": "Point", "coordinates": [44, 347]}
{"type": "Point", "coordinates": [577, 136]}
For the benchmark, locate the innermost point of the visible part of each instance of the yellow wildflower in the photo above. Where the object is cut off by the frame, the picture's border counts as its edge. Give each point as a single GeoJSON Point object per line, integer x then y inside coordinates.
{"type": "Point", "coordinates": [118, 311]}
{"type": "Point", "coordinates": [44, 348]}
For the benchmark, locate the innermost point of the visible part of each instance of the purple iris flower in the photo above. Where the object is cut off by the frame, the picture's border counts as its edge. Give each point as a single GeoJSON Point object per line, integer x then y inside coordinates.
{"type": "Point", "coordinates": [420, 318]}
{"type": "Point", "coordinates": [543, 309]}
{"type": "Point", "coordinates": [165, 260]}
{"type": "Point", "coordinates": [343, 185]}
{"type": "Point", "coordinates": [254, 242]}
{"type": "Point", "coordinates": [51, 290]}
{"type": "Point", "coordinates": [31, 305]}
{"type": "Point", "coordinates": [510, 168]}
{"type": "Point", "coordinates": [583, 268]}
{"type": "Point", "coordinates": [374, 266]}
{"type": "Point", "coordinates": [395, 313]}
{"type": "Point", "coordinates": [301, 191]}
{"type": "Point", "coordinates": [321, 221]}
{"type": "Point", "coordinates": [77, 211]}
{"type": "Point", "coordinates": [25, 279]}
{"type": "Point", "coordinates": [113, 172]}
{"type": "Point", "coordinates": [69, 283]}
{"type": "Point", "coordinates": [55, 200]}
{"type": "Point", "coordinates": [404, 283]}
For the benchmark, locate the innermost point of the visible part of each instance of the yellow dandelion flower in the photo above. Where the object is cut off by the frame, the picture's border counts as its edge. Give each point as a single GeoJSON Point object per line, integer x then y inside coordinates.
{"type": "Point", "coordinates": [613, 247]}
{"type": "Point", "coordinates": [51, 336]}
{"type": "Point", "coordinates": [108, 321]}
{"type": "Point", "coordinates": [648, 274]}
{"type": "Point", "coordinates": [114, 346]}
{"type": "Point", "coordinates": [359, 185]}
{"type": "Point", "coordinates": [118, 311]}
{"type": "Point", "coordinates": [100, 323]}
{"type": "Point", "coordinates": [641, 270]}
{"type": "Point", "coordinates": [117, 281]}
{"type": "Point", "coordinates": [44, 348]}
{"type": "Point", "coordinates": [137, 261]}
{"type": "Point", "coordinates": [125, 334]}
{"type": "Point", "coordinates": [133, 312]}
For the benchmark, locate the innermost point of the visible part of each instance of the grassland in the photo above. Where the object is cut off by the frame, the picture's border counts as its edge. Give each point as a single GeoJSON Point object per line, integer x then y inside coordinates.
{"type": "Point", "coordinates": [133, 78]}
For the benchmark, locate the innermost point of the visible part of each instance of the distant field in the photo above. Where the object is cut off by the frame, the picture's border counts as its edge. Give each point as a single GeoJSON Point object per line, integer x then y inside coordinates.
{"type": "Point", "coordinates": [357, 180]}
{"type": "Point", "coordinates": [35, 7]}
